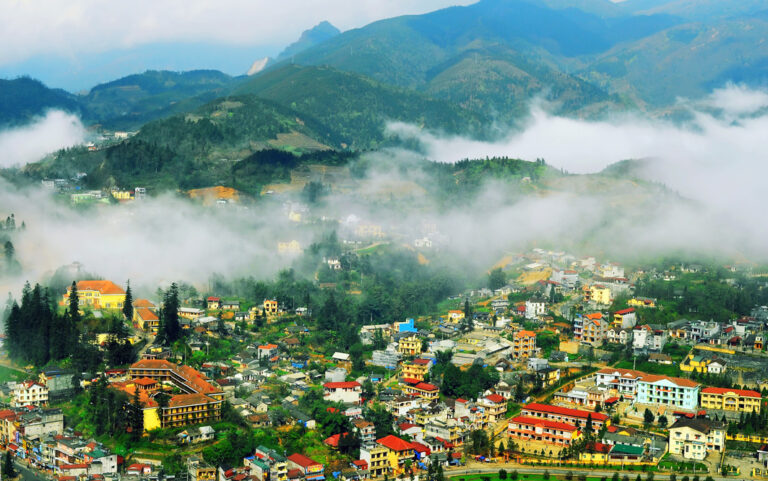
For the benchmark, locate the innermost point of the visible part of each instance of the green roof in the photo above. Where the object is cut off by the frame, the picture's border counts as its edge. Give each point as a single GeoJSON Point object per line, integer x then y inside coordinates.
{"type": "Point", "coordinates": [626, 449]}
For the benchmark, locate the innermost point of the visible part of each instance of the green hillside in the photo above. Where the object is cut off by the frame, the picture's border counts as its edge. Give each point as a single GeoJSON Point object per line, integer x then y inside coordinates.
{"type": "Point", "coordinates": [24, 98]}
{"type": "Point", "coordinates": [354, 107]}
{"type": "Point", "coordinates": [129, 102]}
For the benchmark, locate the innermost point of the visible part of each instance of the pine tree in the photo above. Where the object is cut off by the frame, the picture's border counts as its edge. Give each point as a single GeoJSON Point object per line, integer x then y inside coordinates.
{"type": "Point", "coordinates": [74, 305]}
{"type": "Point", "coordinates": [9, 470]}
{"type": "Point", "coordinates": [171, 329]}
{"type": "Point", "coordinates": [128, 304]}
{"type": "Point", "coordinates": [137, 414]}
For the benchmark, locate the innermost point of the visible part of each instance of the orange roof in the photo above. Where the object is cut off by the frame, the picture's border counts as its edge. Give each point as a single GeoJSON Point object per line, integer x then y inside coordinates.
{"type": "Point", "coordinates": [104, 287]}
{"type": "Point", "coordinates": [674, 380]}
{"type": "Point", "coordinates": [621, 372]}
{"type": "Point", "coordinates": [576, 413]}
{"type": "Point", "coordinates": [544, 422]}
{"type": "Point", "coordinates": [143, 303]}
{"type": "Point", "coordinates": [181, 400]}
{"type": "Point", "coordinates": [394, 443]}
{"type": "Point", "coordinates": [268, 346]}
{"type": "Point", "coordinates": [495, 398]}
{"type": "Point", "coordinates": [595, 315]}
{"type": "Point", "coordinates": [525, 334]}
{"type": "Point", "coordinates": [145, 381]}
{"type": "Point", "coordinates": [625, 311]}
{"type": "Point", "coordinates": [146, 315]}
{"type": "Point", "coordinates": [722, 390]}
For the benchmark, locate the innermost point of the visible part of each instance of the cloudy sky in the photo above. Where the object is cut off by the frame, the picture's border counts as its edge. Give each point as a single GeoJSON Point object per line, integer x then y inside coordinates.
{"type": "Point", "coordinates": [76, 43]}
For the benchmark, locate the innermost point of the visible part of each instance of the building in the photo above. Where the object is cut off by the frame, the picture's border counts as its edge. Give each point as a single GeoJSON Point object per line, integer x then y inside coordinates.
{"type": "Point", "coordinates": [527, 428]}
{"type": "Point", "coordinates": [593, 329]}
{"type": "Point", "coordinates": [597, 293]}
{"type": "Point", "coordinates": [366, 432]}
{"type": "Point", "coordinates": [695, 438]}
{"type": "Point", "coordinates": [575, 417]}
{"type": "Point", "coordinates": [190, 313]}
{"type": "Point", "coordinates": [98, 295]}
{"type": "Point", "coordinates": [549, 375]}
{"type": "Point", "coordinates": [398, 452]}
{"type": "Point", "coordinates": [29, 393]}
{"type": "Point", "coordinates": [267, 351]}
{"type": "Point", "coordinates": [146, 319]}
{"type": "Point", "coordinates": [423, 390]}
{"type": "Point", "coordinates": [670, 391]}
{"type": "Point", "coordinates": [625, 318]}
{"type": "Point", "coordinates": [200, 401]}
{"type": "Point", "coordinates": [534, 308]}
{"type": "Point", "coordinates": [409, 346]}
{"type": "Point", "coordinates": [417, 369]}
{"type": "Point", "coordinates": [347, 392]}
{"type": "Point", "coordinates": [524, 344]}
{"type": "Point", "coordinates": [615, 335]}
{"type": "Point", "coordinates": [311, 469]}
{"type": "Point", "coordinates": [213, 303]}
{"type": "Point", "coordinates": [270, 307]}
{"type": "Point", "coordinates": [641, 302]}
{"type": "Point", "coordinates": [495, 406]}
{"type": "Point", "coordinates": [624, 381]}
{"type": "Point", "coordinates": [740, 400]}
{"type": "Point", "coordinates": [646, 337]}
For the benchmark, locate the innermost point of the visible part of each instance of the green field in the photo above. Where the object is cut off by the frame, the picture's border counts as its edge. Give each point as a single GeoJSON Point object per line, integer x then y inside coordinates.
{"type": "Point", "coordinates": [651, 368]}
{"type": "Point", "coordinates": [8, 374]}
{"type": "Point", "coordinates": [521, 477]}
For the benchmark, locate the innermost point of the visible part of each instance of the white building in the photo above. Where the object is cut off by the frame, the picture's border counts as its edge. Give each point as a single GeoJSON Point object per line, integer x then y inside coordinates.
{"type": "Point", "coordinates": [534, 308]}
{"type": "Point", "coordinates": [695, 438]}
{"type": "Point", "coordinates": [645, 337]}
{"type": "Point", "coordinates": [623, 380]}
{"type": "Point", "coordinates": [29, 393]}
{"type": "Point", "coordinates": [346, 392]}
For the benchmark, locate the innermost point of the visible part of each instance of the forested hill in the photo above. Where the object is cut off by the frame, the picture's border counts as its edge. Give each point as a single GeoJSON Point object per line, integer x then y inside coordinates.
{"type": "Point", "coordinates": [23, 99]}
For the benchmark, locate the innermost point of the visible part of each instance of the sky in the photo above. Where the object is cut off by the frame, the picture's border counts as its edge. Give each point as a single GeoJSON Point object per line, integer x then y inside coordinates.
{"type": "Point", "coordinates": [79, 43]}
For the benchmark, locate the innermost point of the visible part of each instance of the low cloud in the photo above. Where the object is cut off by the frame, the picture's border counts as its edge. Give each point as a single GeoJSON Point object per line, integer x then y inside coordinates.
{"type": "Point", "coordinates": [55, 130]}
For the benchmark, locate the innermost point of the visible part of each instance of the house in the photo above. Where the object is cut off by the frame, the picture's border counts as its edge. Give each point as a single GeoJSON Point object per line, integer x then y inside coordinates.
{"type": "Point", "coordinates": [423, 390]}
{"type": "Point", "coordinates": [726, 399]}
{"type": "Point", "coordinates": [524, 345]}
{"type": "Point", "coordinates": [191, 313]}
{"type": "Point", "coordinates": [311, 469]}
{"type": "Point", "coordinates": [409, 346]}
{"type": "Point", "coordinates": [659, 358]}
{"type": "Point", "coordinates": [213, 303]}
{"type": "Point", "coordinates": [366, 431]}
{"type": "Point", "coordinates": [616, 335]}
{"type": "Point", "coordinates": [495, 407]}
{"type": "Point", "coordinates": [398, 452]}
{"type": "Point", "coordinates": [230, 305]}
{"type": "Point", "coordinates": [196, 435]}
{"type": "Point", "coordinates": [270, 307]}
{"type": "Point", "coordinates": [146, 319]}
{"type": "Point", "coordinates": [97, 295]}
{"type": "Point", "coordinates": [534, 308]}
{"type": "Point", "coordinates": [623, 381]}
{"type": "Point", "coordinates": [525, 428]}
{"type": "Point", "coordinates": [694, 438]}
{"type": "Point", "coordinates": [417, 369]}
{"type": "Point", "coordinates": [549, 375]}
{"type": "Point", "coordinates": [593, 329]}
{"type": "Point", "coordinates": [647, 338]}
{"type": "Point", "coordinates": [347, 392]}
{"type": "Point", "coordinates": [267, 351]}
{"type": "Point", "coordinates": [29, 393]}
{"type": "Point", "coordinates": [641, 302]}
{"type": "Point", "coordinates": [670, 391]}
{"type": "Point", "coordinates": [597, 293]}
{"type": "Point", "coordinates": [625, 318]}
{"type": "Point", "coordinates": [455, 315]}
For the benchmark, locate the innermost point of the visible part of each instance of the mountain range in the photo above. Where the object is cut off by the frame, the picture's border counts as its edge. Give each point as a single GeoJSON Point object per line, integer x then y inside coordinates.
{"type": "Point", "coordinates": [459, 70]}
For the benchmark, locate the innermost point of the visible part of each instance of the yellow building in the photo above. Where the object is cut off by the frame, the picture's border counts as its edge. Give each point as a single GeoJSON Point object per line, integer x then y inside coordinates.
{"type": "Point", "coordinates": [695, 362]}
{"type": "Point", "coordinates": [741, 400]}
{"type": "Point", "coordinates": [270, 307]}
{"type": "Point", "coordinates": [398, 452]}
{"type": "Point", "coordinates": [379, 465]}
{"type": "Point", "coordinates": [98, 295]}
{"type": "Point", "coordinates": [147, 320]}
{"type": "Point", "coordinates": [523, 344]}
{"type": "Point", "coordinates": [417, 369]}
{"type": "Point", "coordinates": [597, 293]}
{"type": "Point", "coordinates": [409, 346]}
{"type": "Point", "coordinates": [424, 390]}
{"type": "Point", "coordinates": [641, 302]}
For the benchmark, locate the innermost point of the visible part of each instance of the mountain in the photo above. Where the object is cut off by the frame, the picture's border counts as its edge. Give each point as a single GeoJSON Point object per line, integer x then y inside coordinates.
{"type": "Point", "coordinates": [356, 108]}
{"type": "Point", "coordinates": [527, 44]}
{"type": "Point", "coordinates": [24, 98]}
{"type": "Point", "coordinates": [129, 102]}
{"type": "Point", "coordinates": [309, 38]}
{"type": "Point", "coordinates": [695, 10]}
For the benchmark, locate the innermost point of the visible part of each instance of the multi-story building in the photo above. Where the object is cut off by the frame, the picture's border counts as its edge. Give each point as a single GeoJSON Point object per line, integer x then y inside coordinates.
{"type": "Point", "coordinates": [200, 402]}
{"type": "Point", "coordinates": [424, 390]}
{"type": "Point", "coordinates": [495, 406]}
{"type": "Point", "coordinates": [597, 293]}
{"type": "Point", "coordinates": [641, 302]}
{"type": "Point", "coordinates": [366, 432]}
{"type": "Point", "coordinates": [146, 319]}
{"type": "Point", "coordinates": [670, 391]}
{"type": "Point", "coordinates": [575, 417]}
{"type": "Point", "coordinates": [310, 469]}
{"type": "Point", "coordinates": [730, 399]}
{"type": "Point", "coordinates": [594, 329]}
{"type": "Point", "coordinates": [615, 335]}
{"type": "Point", "coordinates": [278, 465]}
{"type": "Point", "coordinates": [625, 318]}
{"type": "Point", "coordinates": [524, 344]}
{"type": "Point", "coordinates": [399, 451]}
{"type": "Point", "coordinates": [624, 381]}
{"type": "Point", "coordinates": [695, 438]}
{"type": "Point", "coordinates": [29, 393]}
{"type": "Point", "coordinates": [526, 428]}
{"type": "Point", "coordinates": [534, 308]}
{"type": "Point", "coordinates": [98, 295]}
{"type": "Point", "coordinates": [270, 307]}
{"type": "Point", "coordinates": [347, 392]}
{"type": "Point", "coordinates": [646, 337]}
{"type": "Point", "coordinates": [378, 460]}
{"type": "Point", "coordinates": [416, 369]}
{"type": "Point", "coordinates": [549, 375]}
{"type": "Point", "coordinates": [409, 346]}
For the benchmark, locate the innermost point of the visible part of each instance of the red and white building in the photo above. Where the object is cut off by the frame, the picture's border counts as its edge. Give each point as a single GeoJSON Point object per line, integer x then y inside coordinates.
{"type": "Point", "coordinates": [574, 417]}
{"type": "Point", "coordinates": [542, 430]}
{"type": "Point", "coordinates": [347, 392]}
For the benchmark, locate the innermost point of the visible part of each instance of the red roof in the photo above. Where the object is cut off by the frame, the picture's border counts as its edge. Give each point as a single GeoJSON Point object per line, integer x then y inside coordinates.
{"type": "Point", "coordinates": [421, 448]}
{"type": "Point", "coordinates": [599, 447]}
{"type": "Point", "coordinates": [421, 361]}
{"type": "Point", "coordinates": [625, 311]}
{"type": "Point", "coordinates": [73, 466]}
{"type": "Point", "coordinates": [360, 463]}
{"type": "Point", "coordinates": [394, 443]}
{"type": "Point", "coordinates": [527, 420]}
{"type": "Point", "coordinates": [214, 299]}
{"type": "Point", "coordinates": [611, 400]}
{"type": "Point", "coordinates": [104, 287]}
{"type": "Point", "coordinates": [410, 380]}
{"type": "Point", "coordinates": [722, 390]}
{"type": "Point", "coordinates": [407, 426]}
{"type": "Point", "coordinates": [302, 460]}
{"type": "Point", "coordinates": [425, 386]}
{"type": "Point", "coordinates": [341, 385]}
{"type": "Point", "coordinates": [576, 413]}
{"type": "Point", "coordinates": [333, 441]}
{"type": "Point", "coordinates": [652, 378]}
{"type": "Point", "coordinates": [495, 398]}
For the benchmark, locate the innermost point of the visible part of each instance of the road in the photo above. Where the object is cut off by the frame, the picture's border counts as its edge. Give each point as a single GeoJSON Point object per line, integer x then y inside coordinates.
{"type": "Point", "coordinates": [494, 468]}
{"type": "Point", "coordinates": [28, 474]}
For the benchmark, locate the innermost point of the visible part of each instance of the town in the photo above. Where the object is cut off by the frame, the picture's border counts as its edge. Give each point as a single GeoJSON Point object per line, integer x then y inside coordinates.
{"type": "Point", "coordinates": [558, 362]}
